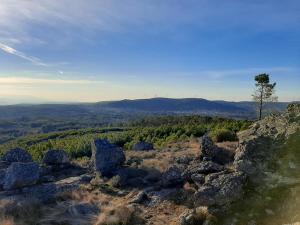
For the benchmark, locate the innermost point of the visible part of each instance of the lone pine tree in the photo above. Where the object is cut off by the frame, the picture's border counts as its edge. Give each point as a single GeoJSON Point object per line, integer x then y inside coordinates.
{"type": "Point", "coordinates": [264, 91]}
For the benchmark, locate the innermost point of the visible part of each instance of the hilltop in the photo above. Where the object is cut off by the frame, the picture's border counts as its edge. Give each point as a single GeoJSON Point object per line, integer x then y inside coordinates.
{"type": "Point", "coordinates": [253, 179]}
{"type": "Point", "coordinates": [139, 106]}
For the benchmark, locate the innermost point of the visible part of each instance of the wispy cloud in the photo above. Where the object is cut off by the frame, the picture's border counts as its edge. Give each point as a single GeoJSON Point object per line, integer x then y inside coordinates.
{"type": "Point", "coordinates": [44, 81]}
{"type": "Point", "coordinates": [17, 18]}
{"type": "Point", "coordinates": [22, 55]}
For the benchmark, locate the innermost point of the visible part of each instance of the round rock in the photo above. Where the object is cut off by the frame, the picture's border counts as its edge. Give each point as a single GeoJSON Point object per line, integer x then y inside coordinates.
{"type": "Point", "coordinates": [56, 157]}
{"type": "Point", "coordinates": [17, 155]}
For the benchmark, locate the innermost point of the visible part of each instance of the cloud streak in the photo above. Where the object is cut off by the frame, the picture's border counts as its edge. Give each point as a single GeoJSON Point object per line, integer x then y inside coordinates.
{"type": "Point", "coordinates": [22, 55]}
{"type": "Point", "coordinates": [44, 81]}
{"type": "Point", "coordinates": [64, 17]}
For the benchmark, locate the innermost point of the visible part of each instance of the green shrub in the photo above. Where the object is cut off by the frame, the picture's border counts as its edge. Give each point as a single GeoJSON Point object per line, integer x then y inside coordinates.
{"type": "Point", "coordinates": [222, 134]}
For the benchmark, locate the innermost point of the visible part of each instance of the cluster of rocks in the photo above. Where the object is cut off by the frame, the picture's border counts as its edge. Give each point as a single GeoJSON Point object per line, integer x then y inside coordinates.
{"type": "Point", "coordinates": [216, 184]}
{"type": "Point", "coordinates": [21, 176]}
{"type": "Point", "coordinates": [219, 186]}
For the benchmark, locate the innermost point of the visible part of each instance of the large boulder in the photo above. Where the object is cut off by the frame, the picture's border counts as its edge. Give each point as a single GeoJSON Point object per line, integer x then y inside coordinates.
{"type": "Point", "coordinates": [17, 155]}
{"type": "Point", "coordinates": [215, 153]}
{"type": "Point", "coordinates": [172, 177]}
{"type": "Point", "coordinates": [207, 145]}
{"type": "Point", "coordinates": [143, 146]}
{"type": "Point", "coordinates": [107, 157]}
{"type": "Point", "coordinates": [20, 174]}
{"type": "Point", "coordinates": [56, 157]}
{"type": "Point", "coordinates": [220, 189]}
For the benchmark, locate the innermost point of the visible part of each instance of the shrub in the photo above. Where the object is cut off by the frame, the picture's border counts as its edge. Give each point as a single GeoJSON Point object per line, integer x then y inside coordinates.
{"type": "Point", "coordinates": [220, 135]}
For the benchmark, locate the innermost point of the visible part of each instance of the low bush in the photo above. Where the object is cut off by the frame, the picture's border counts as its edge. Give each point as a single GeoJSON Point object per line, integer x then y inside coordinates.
{"type": "Point", "coordinates": [222, 134]}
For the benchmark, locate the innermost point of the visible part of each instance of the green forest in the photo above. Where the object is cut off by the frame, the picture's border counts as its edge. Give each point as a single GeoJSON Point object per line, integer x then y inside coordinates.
{"type": "Point", "coordinates": [159, 130]}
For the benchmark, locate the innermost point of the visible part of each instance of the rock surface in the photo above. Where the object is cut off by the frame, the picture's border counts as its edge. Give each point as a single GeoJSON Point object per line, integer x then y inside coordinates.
{"type": "Point", "coordinates": [21, 174]}
{"type": "Point", "coordinates": [143, 146]}
{"type": "Point", "coordinates": [220, 189]}
{"type": "Point", "coordinates": [139, 198]}
{"type": "Point", "coordinates": [198, 179]}
{"type": "Point", "coordinates": [259, 144]}
{"type": "Point", "coordinates": [172, 177]}
{"type": "Point", "coordinates": [17, 155]}
{"type": "Point", "coordinates": [56, 157]}
{"type": "Point", "coordinates": [204, 167]}
{"type": "Point", "coordinates": [107, 158]}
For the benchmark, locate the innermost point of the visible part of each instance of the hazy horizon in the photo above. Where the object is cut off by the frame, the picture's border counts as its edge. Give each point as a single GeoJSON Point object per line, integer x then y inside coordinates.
{"type": "Point", "coordinates": [37, 101]}
{"type": "Point", "coordinates": [59, 51]}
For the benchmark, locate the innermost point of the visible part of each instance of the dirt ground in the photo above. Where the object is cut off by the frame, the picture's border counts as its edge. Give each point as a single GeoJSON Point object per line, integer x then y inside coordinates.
{"type": "Point", "coordinates": [115, 204]}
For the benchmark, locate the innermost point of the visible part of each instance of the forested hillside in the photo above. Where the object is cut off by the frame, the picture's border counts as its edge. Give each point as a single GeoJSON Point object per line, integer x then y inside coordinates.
{"type": "Point", "coordinates": [159, 130]}
{"type": "Point", "coordinates": [21, 120]}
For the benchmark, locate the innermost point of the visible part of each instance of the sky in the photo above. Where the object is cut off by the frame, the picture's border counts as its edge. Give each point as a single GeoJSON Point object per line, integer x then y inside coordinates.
{"type": "Point", "coordinates": [96, 50]}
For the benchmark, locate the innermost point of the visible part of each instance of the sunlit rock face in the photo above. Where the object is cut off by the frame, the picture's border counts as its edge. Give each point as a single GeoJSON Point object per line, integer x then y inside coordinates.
{"type": "Point", "coordinates": [263, 141]}
{"type": "Point", "coordinates": [107, 157]}
{"type": "Point", "coordinates": [269, 155]}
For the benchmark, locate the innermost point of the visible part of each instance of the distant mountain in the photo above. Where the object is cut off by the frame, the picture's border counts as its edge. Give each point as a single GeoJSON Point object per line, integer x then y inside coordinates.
{"type": "Point", "coordinates": [139, 106]}
{"type": "Point", "coordinates": [171, 105]}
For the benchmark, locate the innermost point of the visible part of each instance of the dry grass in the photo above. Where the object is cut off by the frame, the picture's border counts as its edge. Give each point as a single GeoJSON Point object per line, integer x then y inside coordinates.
{"type": "Point", "coordinates": [114, 208]}
{"type": "Point", "coordinates": [231, 146]}
{"type": "Point", "coordinates": [115, 215]}
{"type": "Point", "coordinates": [162, 159]}
{"type": "Point", "coordinates": [202, 214]}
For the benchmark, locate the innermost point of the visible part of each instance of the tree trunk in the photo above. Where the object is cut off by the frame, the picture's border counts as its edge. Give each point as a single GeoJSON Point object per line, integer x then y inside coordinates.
{"type": "Point", "coordinates": [261, 104]}
{"type": "Point", "coordinates": [260, 110]}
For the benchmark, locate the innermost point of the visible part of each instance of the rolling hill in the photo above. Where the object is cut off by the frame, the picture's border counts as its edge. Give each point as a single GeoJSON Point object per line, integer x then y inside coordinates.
{"type": "Point", "coordinates": [138, 106]}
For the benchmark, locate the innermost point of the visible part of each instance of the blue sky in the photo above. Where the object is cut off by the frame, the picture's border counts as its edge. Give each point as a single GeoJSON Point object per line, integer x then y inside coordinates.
{"type": "Point", "coordinates": [93, 50]}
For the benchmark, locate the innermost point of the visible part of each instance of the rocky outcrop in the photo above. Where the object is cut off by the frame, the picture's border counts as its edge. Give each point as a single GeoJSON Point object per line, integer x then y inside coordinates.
{"type": "Point", "coordinates": [107, 158]}
{"type": "Point", "coordinates": [143, 146]}
{"type": "Point", "coordinates": [45, 192]}
{"type": "Point", "coordinates": [17, 155]}
{"type": "Point", "coordinates": [21, 174]}
{"type": "Point", "coordinates": [43, 181]}
{"type": "Point", "coordinates": [261, 143]}
{"type": "Point", "coordinates": [56, 157]}
{"type": "Point", "coordinates": [219, 186]}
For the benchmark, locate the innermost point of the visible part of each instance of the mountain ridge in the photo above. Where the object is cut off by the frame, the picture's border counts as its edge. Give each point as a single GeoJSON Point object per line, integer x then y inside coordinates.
{"type": "Point", "coordinates": [244, 109]}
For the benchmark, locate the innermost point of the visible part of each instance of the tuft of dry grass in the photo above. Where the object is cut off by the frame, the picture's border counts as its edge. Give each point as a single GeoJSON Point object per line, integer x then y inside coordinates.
{"type": "Point", "coordinates": [202, 214]}
{"type": "Point", "coordinates": [116, 215]}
